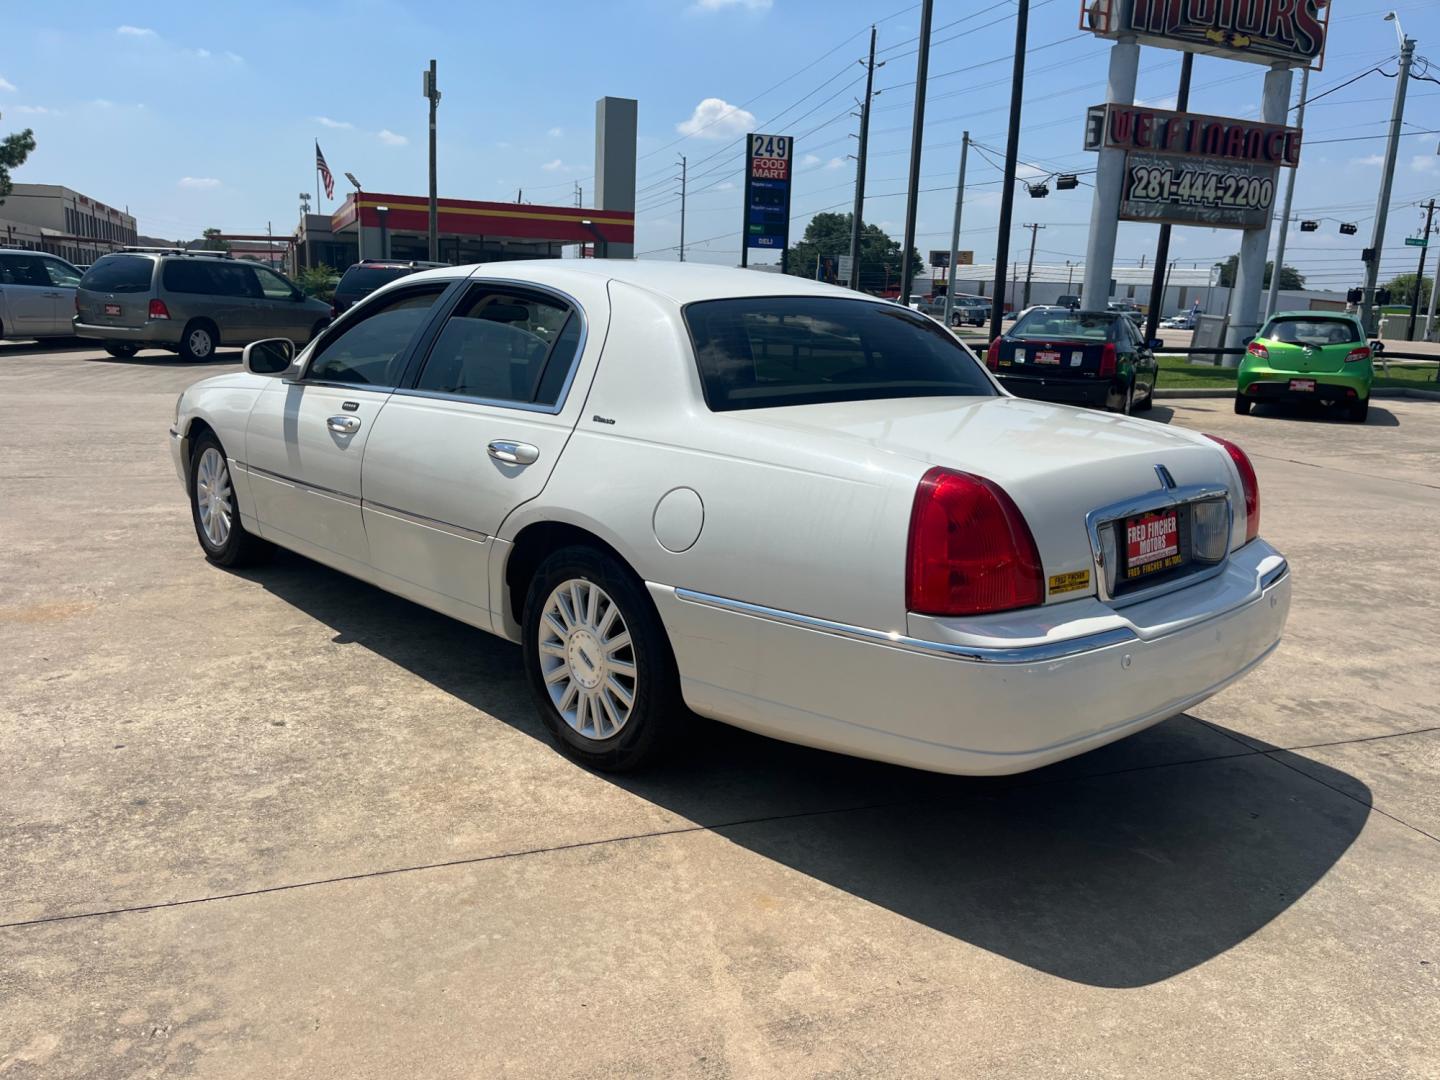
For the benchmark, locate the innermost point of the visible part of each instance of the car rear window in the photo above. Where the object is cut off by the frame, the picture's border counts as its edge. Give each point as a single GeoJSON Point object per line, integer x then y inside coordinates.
{"type": "Point", "coordinates": [363, 280]}
{"type": "Point", "coordinates": [1293, 331]}
{"type": "Point", "coordinates": [119, 274]}
{"type": "Point", "coordinates": [762, 352]}
{"type": "Point", "coordinates": [1070, 325]}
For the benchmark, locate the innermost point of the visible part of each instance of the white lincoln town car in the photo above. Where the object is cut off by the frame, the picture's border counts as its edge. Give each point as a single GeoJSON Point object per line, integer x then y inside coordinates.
{"type": "Point", "coordinates": [782, 505]}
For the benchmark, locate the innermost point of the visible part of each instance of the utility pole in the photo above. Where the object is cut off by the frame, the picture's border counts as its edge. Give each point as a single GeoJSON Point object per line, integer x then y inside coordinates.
{"type": "Point", "coordinates": [432, 91]}
{"type": "Point", "coordinates": [859, 212]}
{"type": "Point", "coordinates": [683, 181]}
{"type": "Point", "coordinates": [917, 135]}
{"type": "Point", "coordinates": [1273, 299]}
{"type": "Point", "coordinates": [1420, 273]}
{"type": "Point", "coordinates": [1162, 245]}
{"type": "Point", "coordinates": [955, 230]}
{"type": "Point", "coordinates": [1012, 150]}
{"type": "Point", "coordinates": [1430, 316]}
{"type": "Point", "coordinates": [1030, 266]}
{"type": "Point", "coordinates": [1387, 178]}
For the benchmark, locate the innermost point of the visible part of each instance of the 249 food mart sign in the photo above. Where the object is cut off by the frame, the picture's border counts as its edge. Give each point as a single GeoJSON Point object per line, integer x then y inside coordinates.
{"type": "Point", "coordinates": [1193, 169]}
{"type": "Point", "coordinates": [767, 190]}
{"type": "Point", "coordinates": [1260, 31]}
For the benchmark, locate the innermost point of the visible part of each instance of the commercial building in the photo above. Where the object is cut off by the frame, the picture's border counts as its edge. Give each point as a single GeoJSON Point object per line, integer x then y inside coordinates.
{"type": "Point", "coordinates": [60, 220]}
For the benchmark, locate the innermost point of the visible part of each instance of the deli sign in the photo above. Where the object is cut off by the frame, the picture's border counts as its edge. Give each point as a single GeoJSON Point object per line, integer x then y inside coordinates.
{"type": "Point", "coordinates": [1261, 31]}
{"type": "Point", "coordinates": [1221, 138]}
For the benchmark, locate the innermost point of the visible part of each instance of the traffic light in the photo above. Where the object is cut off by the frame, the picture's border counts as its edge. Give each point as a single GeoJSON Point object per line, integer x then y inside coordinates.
{"type": "Point", "coordinates": [1354, 296]}
{"type": "Point", "coordinates": [1309, 226]}
{"type": "Point", "coordinates": [1349, 228]}
{"type": "Point", "coordinates": [1382, 296]}
{"type": "Point", "coordinates": [1367, 255]}
{"type": "Point", "coordinates": [1066, 181]}
{"type": "Point", "coordinates": [1038, 191]}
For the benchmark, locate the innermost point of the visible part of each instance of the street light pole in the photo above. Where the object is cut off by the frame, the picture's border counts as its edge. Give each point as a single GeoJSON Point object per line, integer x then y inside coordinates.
{"type": "Point", "coordinates": [1030, 266]}
{"type": "Point", "coordinates": [683, 181]}
{"type": "Point", "coordinates": [1387, 177]}
{"type": "Point", "coordinates": [432, 92]}
{"type": "Point", "coordinates": [1420, 272]}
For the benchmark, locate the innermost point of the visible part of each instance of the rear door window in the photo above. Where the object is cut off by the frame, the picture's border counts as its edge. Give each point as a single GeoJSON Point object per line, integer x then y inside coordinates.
{"type": "Point", "coordinates": [119, 274]}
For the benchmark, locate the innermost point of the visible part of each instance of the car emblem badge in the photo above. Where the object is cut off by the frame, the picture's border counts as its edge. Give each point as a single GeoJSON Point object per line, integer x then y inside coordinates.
{"type": "Point", "coordinates": [1166, 480]}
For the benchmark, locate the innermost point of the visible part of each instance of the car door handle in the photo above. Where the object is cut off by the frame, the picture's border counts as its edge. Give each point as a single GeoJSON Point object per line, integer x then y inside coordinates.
{"type": "Point", "coordinates": [343, 425]}
{"type": "Point", "coordinates": [514, 453]}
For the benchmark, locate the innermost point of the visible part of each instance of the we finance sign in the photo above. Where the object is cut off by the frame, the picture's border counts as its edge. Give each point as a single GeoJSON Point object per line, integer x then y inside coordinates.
{"type": "Point", "coordinates": [1260, 31]}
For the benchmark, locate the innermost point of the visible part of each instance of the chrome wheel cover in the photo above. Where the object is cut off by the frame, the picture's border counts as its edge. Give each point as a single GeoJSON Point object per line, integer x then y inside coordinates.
{"type": "Point", "coordinates": [587, 659]}
{"type": "Point", "coordinates": [200, 342]}
{"type": "Point", "coordinates": [213, 496]}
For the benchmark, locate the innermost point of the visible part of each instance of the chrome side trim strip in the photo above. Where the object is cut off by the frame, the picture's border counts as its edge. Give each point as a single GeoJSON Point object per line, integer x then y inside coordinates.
{"type": "Point", "coordinates": [1024, 654]}
{"type": "Point", "coordinates": [420, 519]}
{"type": "Point", "coordinates": [1272, 576]}
{"type": "Point", "coordinates": [316, 488]}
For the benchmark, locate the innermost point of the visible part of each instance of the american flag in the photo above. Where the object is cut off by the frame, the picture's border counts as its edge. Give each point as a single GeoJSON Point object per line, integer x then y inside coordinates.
{"type": "Point", "coordinates": [325, 174]}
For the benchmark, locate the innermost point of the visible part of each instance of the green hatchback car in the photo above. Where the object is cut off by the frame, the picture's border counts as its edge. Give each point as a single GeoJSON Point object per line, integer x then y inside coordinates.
{"type": "Point", "coordinates": [1308, 356]}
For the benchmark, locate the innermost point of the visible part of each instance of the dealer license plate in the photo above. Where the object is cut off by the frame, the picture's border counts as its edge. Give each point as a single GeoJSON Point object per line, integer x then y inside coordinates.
{"type": "Point", "coordinates": [1152, 544]}
{"type": "Point", "coordinates": [112, 309]}
{"type": "Point", "coordinates": [1047, 356]}
{"type": "Point", "coordinates": [1307, 385]}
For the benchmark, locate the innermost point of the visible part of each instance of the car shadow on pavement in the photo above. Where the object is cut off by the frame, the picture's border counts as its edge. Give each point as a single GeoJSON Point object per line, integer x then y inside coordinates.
{"type": "Point", "coordinates": [169, 359]}
{"type": "Point", "coordinates": [1279, 410]}
{"type": "Point", "coordinates": [1120, 868]}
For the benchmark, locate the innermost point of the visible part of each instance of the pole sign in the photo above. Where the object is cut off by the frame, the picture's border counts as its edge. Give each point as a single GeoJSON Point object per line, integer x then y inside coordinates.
{"type": "Point", "coordinates": [1221, 138]}
{"type": "Point", "coordinates": [767, 191]}
{"type": "Point", "coordinates": [1258, 31]}
{"type": "Point", "coordinates": [1416, 241]}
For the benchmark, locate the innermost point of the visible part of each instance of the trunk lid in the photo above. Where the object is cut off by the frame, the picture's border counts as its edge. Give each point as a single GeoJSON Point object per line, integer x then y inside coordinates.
{"type": "Point", "coordinates": [116, 291]}
{"type": "Point", "coordinates": [1307, 358]}
{"type": "Point", "coordinates": [1057, 358]}
{"type": "Point", "coordinates": [1058, 463]}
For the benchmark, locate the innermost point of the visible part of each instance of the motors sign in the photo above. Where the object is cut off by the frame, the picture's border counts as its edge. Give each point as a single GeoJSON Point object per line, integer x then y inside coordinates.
{"type": "Point", "coordinates": [1260, 31]}
{"type": "Point", "coordinates": [1135, 127]}
{"type": "Point", "coordinates": [767, 191]}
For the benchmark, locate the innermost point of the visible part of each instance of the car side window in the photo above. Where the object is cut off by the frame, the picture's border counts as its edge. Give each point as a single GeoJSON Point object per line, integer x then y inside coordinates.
{"type": "Point", "coordinates": [273, 285]}
{"type": "Point", "coordinates": [24, 270]}
{"type": "Point", "coordinates": [239, 281]}
{"type": "Point", "coordinates": [369, 350]}
{"type": "Point", "coordinates": [504, 345]}
{"type": "Point", "coordinates": [60, 274]}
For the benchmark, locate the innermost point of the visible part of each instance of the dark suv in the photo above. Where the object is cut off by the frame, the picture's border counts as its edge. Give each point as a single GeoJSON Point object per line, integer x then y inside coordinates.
{"type": "Point", "coordinates": [190, 302]}
{"type": "Point", "coordinates": [367, 275]}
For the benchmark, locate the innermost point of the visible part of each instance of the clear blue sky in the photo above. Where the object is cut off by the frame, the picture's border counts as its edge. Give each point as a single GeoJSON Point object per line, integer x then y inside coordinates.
{"type": "Point", "coordinates": [204, 114]}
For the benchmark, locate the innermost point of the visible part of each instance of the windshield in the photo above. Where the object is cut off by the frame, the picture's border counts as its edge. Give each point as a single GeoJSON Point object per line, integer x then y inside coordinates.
{"type": "Point", "coordinates": [1292, 331]}
{"type": "Point", "coordinates": [1070, 325]}
{"type": "Point", "coordinates": [761, 352]}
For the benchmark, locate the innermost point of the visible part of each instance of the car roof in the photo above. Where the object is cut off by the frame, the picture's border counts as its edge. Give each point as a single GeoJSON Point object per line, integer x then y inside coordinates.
{"type": "Point", "coordinates": [679, 282]}
{"type": "Point", "coordinates": [1314, 315]}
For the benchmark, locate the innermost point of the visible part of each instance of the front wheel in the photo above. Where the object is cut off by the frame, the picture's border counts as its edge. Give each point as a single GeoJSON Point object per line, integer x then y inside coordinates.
{"type": "Point", "coordinates": [222, 535]}
{"type": "Point", "coordinates": [598, 662]}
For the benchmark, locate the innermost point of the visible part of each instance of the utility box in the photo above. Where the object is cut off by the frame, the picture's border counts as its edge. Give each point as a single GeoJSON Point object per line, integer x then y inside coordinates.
{"type": "Point", "coordinates": [1209, 333]}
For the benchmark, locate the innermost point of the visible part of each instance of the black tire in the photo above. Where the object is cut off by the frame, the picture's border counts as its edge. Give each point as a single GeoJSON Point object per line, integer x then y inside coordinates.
{"type": "Point", "coordinates": [198, 341]}
{"type": "Point", "coordinates": [657, 714]}
{"type": "Point", "coordinates": [1359, 412]}
{"type": "Point", "coordinates": [121, 350]}
{"type": "Point", "coordinates": [1127, 400]}
{"type": "Point", "coordinates": [1146, 403]}
{"type": "Point", "coordinates": [237, 547]}
{"type": "Point", "coordinates": [1242, 405]}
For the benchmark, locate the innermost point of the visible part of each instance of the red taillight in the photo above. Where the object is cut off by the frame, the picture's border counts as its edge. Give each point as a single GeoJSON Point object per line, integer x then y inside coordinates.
{"type": "Point", "coordinates": [1256, 349]}
{"type": "Point", "coordinates": [992, 355]}
{"type": "Point", "coordinates": [1108, 361]}
{"type": "Point", "coordinates": [1248, 484]}
{"type": "Point", "coordinates": [1356, 355]}
{"type": "Point", "coordinates": [970, 551]}
{"type": "Point", "coordinates": [158, 310]}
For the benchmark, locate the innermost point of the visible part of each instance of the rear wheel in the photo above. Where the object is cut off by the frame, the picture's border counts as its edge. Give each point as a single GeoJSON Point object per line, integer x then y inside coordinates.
{"type": "Point", "coordinates": [598, 662]}
{"type": "Point", "coordinates": [1147, 403]}
{"type": "Point", "coordinates": [198, 341]}
{"type": "Point", "coordinates": [121, 350]}
{"type": "Point", "coordinates": [1242, 405]}
{"type": "Point", "coordinates": [222, 535]}
{"type": "Point", "coordinates": [1359, 411]}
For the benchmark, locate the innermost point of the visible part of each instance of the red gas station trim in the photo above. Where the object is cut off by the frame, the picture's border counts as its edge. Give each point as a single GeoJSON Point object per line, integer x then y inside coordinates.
{"type": "Point", "coordinates": [463, 217]}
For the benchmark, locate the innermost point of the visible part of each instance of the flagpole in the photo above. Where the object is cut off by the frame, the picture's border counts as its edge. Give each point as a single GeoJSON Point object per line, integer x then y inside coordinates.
{"type": "Point", "coordinates": [319, 206]}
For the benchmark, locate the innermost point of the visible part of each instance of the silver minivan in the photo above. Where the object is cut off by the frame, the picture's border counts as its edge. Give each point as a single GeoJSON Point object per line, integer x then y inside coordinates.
{"type": "Point", "coordinates": [37, 295]}
{"type": "Point", "coordinates": [190, 303]}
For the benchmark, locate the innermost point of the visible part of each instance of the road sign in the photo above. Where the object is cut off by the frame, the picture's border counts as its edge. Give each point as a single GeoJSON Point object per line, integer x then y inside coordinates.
{"type": "Point", "coordinates": [767, 191]}
{"type": "Point", "coordinates": [939, 259]}
{"type": "Point", "coordinates": [1416, 241]}
{"type": "Point", "coordinates": [1196, 191]}
{"type": "Point", "coordinates": [845, 263]}
{"type": "Point", "coordinates": [964, 258]}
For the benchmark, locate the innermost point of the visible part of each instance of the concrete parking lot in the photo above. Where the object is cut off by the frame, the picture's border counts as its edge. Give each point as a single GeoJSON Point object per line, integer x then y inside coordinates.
{"type": "Point", "coordinates": [278, 823]}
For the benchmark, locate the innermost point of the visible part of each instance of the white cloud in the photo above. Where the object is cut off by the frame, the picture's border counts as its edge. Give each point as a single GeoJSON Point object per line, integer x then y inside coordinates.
{"type": "Point", "coordinates": [1374, 159]}
{"type": "Point", "coordinates": [721, 5]}
{"type": "Point", "coordinates": [1424, 162]}
{"type": "Point", "coordinates": [35, 110]}
{"type": "Point", "coordinates": [835, 163]}
{"type": "Point", "coordinates": [553, 166]}
{"type": "Point", "coordinates": [234, 58]}
{"type": "Point", "coordinates": [103, 103]}
{"type": "Point", "coordinates": [715, 118]}
{"type": "Point", "coordinates": [809, 161]}
{"type": "Point", "coordinates": [6, 84]}
{"type": "Point", "coordinates": [728, 185]}
{"type": "Point", "coordinates": [339, 125]}
{"type": "Point", "coordinates": [556, 132]}
{"type": "Point", "coordinates": [390, 138]}
{"type": "Point", "coordinates": [136, 31]}
{"type": "Point", "coordinates": [199, 183]}
{"type": "Point", "coordinates": [503, 146]}
{"type": "Point", "coordinates": [203, 54]}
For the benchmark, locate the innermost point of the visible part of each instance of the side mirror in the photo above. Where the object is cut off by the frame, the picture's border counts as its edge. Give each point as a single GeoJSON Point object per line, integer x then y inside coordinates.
{"type": "Point", "coordinates": [1156, 344]}
{"type": "Point", "coordinates": [1377, 347]}
{"type": "Point", "coordinates": [269, 357]}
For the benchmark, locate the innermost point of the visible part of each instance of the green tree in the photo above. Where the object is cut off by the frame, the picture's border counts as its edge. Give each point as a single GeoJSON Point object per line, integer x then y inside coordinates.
{"type": "Point", "coordinates": [318, 281]}
{"type": "Point", "coordinates": [1290, 278]}
{"type": "Point", "coordinates": [13, 152]}
{"type": "Point", "coordinates": [828, 236]}
{"type": "Point", "coordinates": [210, 241]}
{"type": "Point", "coordinates": [1402, 289]}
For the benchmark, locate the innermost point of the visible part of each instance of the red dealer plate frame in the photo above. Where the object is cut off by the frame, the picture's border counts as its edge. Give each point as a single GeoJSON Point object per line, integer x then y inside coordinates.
{"type": "Point", "coordinates": [1047, 356]}
{"type": "Point", "coordinates": [1152, 544]}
